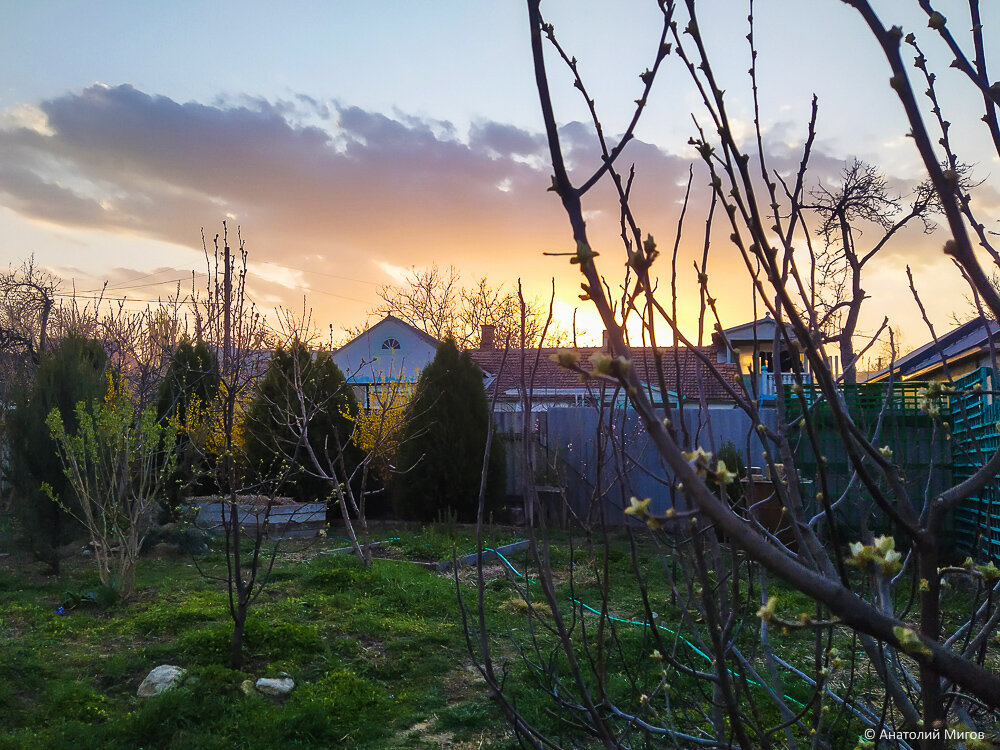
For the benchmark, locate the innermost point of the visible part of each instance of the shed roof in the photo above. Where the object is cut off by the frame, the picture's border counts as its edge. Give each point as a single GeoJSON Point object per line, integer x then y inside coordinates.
{"type": "Point", "coordinates": [969, 338]}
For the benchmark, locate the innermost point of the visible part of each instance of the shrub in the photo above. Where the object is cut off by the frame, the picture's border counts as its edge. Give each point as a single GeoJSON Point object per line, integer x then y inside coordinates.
{"type": "Point", "coordinates": [116, 461]}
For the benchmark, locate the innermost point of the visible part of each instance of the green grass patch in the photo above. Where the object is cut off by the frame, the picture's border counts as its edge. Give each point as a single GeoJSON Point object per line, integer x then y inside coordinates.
{"type": "Point", "coordinates": [378, 654]}
{"type": "Point", "coordinates": [369, 649]}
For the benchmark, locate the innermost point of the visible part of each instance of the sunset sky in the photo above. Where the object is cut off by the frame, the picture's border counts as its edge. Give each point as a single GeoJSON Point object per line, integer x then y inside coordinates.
{"type": "Point", "coordinates": [351, 141]}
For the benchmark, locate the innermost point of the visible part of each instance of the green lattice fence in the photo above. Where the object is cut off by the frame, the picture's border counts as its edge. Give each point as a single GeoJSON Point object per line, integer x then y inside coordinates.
{"type": "Point", "coordinates": [975, 414]}
{"type": "Point", "coordinates": [905, 429]}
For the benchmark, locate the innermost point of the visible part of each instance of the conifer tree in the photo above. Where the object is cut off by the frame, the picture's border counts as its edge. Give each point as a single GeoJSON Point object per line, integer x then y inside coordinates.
{"type": "Point", "coordinates": [272, 440]}
{"type": "Point", "coordinates": [441, 455]}
{"type": "Point", "coordinates": [186, 395]}
{"type": "Point", "coordinates": [71, 372]}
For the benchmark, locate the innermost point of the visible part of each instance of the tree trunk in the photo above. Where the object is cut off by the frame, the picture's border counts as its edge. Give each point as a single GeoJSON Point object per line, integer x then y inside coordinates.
{"type": "Point", "coordinates": [236, 642]}
{"type": "Point", "coordinates": [50, 550]}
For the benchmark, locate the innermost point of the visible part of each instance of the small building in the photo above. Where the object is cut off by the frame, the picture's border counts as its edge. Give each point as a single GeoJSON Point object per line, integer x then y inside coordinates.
{"type": "Point", "coordinates": [391, 351]}
{"type": "Point", "coordinates": [960, 351]}
{"type": "Point", "coordinates": [751, 347]}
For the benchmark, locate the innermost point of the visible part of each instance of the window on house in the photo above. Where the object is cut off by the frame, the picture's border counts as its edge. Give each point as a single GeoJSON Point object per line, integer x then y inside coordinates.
{"type": "Point", "coordinates": [390, 344]}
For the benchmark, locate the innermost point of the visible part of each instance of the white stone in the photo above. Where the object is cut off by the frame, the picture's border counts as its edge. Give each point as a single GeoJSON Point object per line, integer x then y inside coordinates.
{"type": "Point", "coordinates": [161, 678]}
{"type": "Point", "coordinates": [276, 685]}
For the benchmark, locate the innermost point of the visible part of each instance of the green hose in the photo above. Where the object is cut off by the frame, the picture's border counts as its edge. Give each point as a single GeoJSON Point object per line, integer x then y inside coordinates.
{"type": "Point", "coordinates": [640, 624]}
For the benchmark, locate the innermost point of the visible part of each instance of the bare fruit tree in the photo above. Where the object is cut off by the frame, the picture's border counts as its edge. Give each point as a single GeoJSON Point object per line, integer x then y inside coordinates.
{"type": "Point", "coordinates": [898, 637]}
{"type": "Point", "coordinates": [227, 320]}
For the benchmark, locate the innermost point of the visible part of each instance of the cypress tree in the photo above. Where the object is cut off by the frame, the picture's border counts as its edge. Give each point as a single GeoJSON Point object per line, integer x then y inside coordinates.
{"type": "Point", "coordinates": [441, 454]}
{"type": "Point", "coordinates": [71, 372]}
{"type": "Point", "coordinates": [272, 446]}
{"type": "Point", "coordinates": [191, 382]}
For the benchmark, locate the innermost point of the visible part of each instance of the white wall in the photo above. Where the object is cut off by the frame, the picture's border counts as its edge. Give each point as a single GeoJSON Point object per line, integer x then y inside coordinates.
{"type": "Point", "coordinates": [364, 360]}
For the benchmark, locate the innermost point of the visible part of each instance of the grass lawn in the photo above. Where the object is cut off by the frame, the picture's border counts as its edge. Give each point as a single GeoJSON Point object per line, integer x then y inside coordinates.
{"type": "Point", "coordinates": [378, 655]}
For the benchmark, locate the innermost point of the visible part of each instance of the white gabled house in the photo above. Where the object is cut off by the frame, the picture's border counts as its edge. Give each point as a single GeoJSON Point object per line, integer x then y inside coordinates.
{"type": "Point", "coordinates": [391, 351]}
{"type": "Point", "coordinates": [750, 347]}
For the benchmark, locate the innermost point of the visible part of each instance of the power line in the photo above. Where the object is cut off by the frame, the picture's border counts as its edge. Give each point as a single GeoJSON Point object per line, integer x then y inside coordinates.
{"type": "Point", "coordinates": [340, 296]}
{"type": "Point", "coordinates": [183, 300]}
{"type": "Point", "coordinates": [96, 295]}
{"type": "Point", "coordinates": [128, 285]}
{"type": "Point", "coordinates": [106, 298]}
{"type": "Point", "coordinates": [144, 276]}
{"type": "Point", "coordinates": [118, 288]}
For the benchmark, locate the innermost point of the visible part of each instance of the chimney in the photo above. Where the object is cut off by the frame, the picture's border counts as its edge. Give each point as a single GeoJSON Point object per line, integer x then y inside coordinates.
{"type": "Point", "coordinates": [487, 339]}
{"type": "Point", "coordinates": [605, 341]}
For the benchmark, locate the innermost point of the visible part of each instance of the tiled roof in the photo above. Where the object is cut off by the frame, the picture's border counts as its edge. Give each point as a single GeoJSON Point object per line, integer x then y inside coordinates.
{"type": "Point", "coordinates": [549, 375]}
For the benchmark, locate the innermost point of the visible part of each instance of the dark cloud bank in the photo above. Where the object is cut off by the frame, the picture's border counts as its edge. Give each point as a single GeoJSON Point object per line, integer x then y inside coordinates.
{"type": "Point", "coordinates": [309, 181]}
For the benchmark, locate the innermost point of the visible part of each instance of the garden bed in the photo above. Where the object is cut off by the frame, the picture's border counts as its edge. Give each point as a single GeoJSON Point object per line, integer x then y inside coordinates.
{"type": "Point", "coordinates": [283, 519]}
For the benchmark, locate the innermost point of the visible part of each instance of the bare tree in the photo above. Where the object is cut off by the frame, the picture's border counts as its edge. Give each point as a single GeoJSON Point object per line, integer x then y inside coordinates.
{"type": "Point", "coordinates": [436, 302]}
{"type": "Point", "coordinates": [27, 302]}
{"type": "Point", "coordinates": [860, 200]}
{"type": "Point", "coordinates": [879, 606]}
{"type": "Point", "coordinates": [316, 430]}
{"type": "Point", "coordinates": [428, 299]}
{"type": "Point", "coordinates": [228, 321]}
{"type": "Point", "coordinates": [139, 344]}
{"type": "Point", "coordinates": [329, 457]}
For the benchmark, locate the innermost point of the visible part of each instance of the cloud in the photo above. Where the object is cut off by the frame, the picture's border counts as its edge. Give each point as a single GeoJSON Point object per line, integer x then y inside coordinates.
{"type": "Point", "coordinates": [118, 157]}
{"type": "Point", "coordinates": [505, 140]}
{"type": "Point", "coordinates": [26, 116]}
{"type": "Point", "coordinates": [363, 191]}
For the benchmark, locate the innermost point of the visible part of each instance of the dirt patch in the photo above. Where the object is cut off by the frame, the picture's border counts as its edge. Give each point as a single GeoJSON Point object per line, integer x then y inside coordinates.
{"type": "Point", "coordinates": [387, 552]}
{"type": "Point", "coordinates": [459, 686]}
{"type": "Point", "coordinates": [425, 731]}
{"type": "Point", "coordinates": [467, 574]}
{"type": "Point", "coordinates": [462, 683]}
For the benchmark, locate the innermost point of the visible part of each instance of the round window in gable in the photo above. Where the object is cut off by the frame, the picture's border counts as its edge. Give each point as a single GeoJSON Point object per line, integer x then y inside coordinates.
{"type": "Point", "coordinates": [390, 344]}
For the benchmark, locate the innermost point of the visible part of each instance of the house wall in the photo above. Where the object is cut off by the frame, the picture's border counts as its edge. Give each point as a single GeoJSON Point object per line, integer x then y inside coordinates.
{"type": "Point", "coordinates": [365, 360]}
{"type": "Point", "coordinates": [956, 369]}
{"type": "Point", "coordinates": [965, 368]}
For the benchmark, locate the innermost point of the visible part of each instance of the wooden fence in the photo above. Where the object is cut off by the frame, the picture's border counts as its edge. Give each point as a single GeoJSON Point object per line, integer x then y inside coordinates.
{"type": "Point", "coordinates": [596, 461]}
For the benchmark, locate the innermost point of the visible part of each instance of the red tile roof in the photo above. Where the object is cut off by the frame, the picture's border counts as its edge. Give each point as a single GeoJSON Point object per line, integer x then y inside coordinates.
{"type": "Point", "coordinates": [695, 376]}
